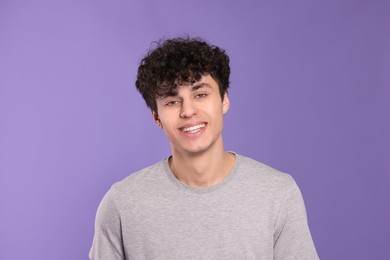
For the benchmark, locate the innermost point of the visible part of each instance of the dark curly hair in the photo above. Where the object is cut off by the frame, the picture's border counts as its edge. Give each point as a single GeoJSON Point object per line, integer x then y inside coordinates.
{"type": "Point", "coordinates": [177, 61]}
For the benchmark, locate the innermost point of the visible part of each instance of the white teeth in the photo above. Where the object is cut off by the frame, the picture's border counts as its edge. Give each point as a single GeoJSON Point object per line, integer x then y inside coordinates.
{"type": "Point", "coordinates": [193, 128]}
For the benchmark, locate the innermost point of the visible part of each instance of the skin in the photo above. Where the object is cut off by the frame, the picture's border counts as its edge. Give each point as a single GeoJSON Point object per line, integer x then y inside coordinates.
{"type": "Point", "coordinates": [192, 120]}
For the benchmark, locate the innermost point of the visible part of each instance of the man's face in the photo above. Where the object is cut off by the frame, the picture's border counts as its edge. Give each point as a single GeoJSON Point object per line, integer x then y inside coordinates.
{"type": "Point", "coordinates": [193, 118]}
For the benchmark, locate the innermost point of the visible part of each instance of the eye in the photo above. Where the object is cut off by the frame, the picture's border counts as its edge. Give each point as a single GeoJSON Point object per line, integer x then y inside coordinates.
{"type": "Point", "coordinates": [201, 95]}
{"type": "Point", "coordinates": [171, 103]}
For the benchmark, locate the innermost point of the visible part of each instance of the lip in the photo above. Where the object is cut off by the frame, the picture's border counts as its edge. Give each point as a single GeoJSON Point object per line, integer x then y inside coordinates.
{"type": "Point", "coordinates": [192, 124]}
{"type": "Point", "coordinates": [197, 132]}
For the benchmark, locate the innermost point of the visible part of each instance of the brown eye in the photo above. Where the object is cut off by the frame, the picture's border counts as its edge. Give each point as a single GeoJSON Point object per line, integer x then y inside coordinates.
{"type": "Point", "coordinates": [201, 95]}
{"type": "Point", "coordinates": [171, 103]}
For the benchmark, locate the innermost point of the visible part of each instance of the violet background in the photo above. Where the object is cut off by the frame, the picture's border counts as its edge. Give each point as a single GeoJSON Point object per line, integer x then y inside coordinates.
{"type": "Point", "coordinates": [310, 95]}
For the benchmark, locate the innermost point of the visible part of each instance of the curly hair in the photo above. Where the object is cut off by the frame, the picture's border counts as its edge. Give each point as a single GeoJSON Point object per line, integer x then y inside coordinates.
{"type": "Point", "coordinates": [180, 60]}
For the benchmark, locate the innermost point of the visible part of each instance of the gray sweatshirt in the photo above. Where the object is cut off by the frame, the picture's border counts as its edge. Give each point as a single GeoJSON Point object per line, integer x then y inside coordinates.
{"type": "Point", "coordinates": [256, 212]}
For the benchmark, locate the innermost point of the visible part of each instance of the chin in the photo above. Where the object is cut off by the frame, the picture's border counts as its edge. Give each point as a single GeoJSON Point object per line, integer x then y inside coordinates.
{"type": "Point", "coordinates": [197, 150]}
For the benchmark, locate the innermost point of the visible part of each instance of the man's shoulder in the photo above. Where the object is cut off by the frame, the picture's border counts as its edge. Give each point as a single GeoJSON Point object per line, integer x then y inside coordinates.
{"type": "Point", "coordinates": [264, 174]}
{"type": "Point", "coordinates": [140, 179]}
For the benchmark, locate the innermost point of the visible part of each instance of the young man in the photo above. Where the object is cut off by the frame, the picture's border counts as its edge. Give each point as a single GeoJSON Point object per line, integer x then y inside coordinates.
{"type": "Point", "coordinates": [202, 202]}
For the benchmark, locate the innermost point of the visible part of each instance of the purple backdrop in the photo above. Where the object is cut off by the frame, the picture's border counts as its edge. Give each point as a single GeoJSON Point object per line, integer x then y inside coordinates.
{"type": "Point", "coordinates": [309, 96]}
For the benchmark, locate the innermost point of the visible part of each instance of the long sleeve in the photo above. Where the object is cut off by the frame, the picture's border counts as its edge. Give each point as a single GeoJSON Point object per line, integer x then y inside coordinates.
{"type": "Point", "coordinates": [293, 240]}
{"type": "Point", "coordinates": [107, 241]}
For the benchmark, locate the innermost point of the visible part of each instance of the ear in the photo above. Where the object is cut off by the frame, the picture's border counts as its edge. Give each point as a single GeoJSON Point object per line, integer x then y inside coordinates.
{"type": "Point", "coordinates": [156, 118]}
{"type": "Point", "coordinates": [225, 103]}
{"type": "Point", "coordinates": [154, 115]}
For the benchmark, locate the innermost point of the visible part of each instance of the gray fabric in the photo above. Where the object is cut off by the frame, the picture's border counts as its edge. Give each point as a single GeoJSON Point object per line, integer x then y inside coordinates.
{"type": "Point", "coordinates": [255, 213]}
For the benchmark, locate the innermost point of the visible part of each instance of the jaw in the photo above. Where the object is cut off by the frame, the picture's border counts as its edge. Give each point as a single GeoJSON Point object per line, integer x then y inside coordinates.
{"type": "Point", "coordinates": [197, 144]}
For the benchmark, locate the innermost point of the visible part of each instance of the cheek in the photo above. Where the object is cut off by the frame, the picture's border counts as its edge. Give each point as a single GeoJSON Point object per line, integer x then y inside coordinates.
{"type": "Point", "coordinates": [217, 117]}
{"type": "Point", "coordinates": [168, 124]}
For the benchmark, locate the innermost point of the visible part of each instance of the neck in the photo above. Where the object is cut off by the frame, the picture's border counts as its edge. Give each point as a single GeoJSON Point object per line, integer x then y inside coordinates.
{"type": "Point", "coordinates": [201, 169]}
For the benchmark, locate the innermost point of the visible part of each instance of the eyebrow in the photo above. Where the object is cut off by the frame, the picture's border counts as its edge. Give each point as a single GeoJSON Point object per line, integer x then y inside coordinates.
{"type": "Point", "coordinates": [197, 86]}
{"type": "Point", "coordinates": [194, 87]}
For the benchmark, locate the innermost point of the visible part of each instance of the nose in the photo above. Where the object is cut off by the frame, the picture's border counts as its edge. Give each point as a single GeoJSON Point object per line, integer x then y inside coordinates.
{"type": "Point", "coordinates": [188, 109]}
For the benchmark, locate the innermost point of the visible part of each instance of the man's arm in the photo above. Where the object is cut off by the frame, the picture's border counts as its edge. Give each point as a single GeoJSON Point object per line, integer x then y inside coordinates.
{"type": "Point", "coordinates": [107, 241]}
{"type": "Point", "coordinates": [292, 238]}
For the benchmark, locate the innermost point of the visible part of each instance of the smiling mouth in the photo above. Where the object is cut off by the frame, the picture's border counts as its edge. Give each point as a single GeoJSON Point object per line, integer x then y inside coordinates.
{"type": "Point", "coordinates": [193, 129]}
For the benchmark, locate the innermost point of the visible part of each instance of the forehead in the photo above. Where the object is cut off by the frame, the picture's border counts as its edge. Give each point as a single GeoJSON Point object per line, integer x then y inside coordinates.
{"type": "Point", "coordinates": [194, 86]}
{"type": "Point", "coordinates": [205, 82]}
